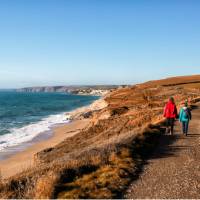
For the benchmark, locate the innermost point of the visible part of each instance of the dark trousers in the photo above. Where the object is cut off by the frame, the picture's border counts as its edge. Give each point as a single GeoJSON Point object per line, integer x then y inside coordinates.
{"type": "Point", "coordinates": [185, 126]}
{"type": "Point", "coordinates": [170, 124]}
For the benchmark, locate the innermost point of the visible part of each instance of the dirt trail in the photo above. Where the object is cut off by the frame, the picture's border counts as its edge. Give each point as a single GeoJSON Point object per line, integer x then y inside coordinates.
{"type": "Point", "coordinates": [173, 171]}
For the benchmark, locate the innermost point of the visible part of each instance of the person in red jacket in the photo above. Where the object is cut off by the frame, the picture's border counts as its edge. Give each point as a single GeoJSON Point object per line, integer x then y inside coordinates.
{"type": "Point", "coordinates": [170, 113]}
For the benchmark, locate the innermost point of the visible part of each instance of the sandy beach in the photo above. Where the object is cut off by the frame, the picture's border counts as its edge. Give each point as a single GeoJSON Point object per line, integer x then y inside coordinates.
{"type": "Point", "coordinates": [25, 159]}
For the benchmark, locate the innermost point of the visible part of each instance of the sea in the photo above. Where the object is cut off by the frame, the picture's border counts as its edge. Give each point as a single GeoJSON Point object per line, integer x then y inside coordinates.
{"type": "Point", "coordinates": [24, 116]}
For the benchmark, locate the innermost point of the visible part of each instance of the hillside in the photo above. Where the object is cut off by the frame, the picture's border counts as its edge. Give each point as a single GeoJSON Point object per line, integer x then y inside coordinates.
{"type": "Point", "coordinates": [111, 150]}
{"type": "Point", "coordinates": [174, 81]}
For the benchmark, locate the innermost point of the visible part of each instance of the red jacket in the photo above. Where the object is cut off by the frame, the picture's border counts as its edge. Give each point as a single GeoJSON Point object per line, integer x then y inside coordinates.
{"type": "Point", "coordinates": [170, 110]}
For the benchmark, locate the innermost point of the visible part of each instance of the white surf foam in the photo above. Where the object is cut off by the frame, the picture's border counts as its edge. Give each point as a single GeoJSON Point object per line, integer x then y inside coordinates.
{"type": "Point", "coordinates": [29, 132]}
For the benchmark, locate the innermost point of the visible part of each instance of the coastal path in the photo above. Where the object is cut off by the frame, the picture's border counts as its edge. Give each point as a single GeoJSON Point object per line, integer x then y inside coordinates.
{"type": "Point", "coordinates": [173, 171]}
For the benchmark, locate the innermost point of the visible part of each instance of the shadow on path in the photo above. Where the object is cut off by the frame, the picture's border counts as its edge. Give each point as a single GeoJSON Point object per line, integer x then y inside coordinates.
{"type": "Point", "coordinates": [167, 146]}
{"type": "Point", "coordinates": [163, 149]}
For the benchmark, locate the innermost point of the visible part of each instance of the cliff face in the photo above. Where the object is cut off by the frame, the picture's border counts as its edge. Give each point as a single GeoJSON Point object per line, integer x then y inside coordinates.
{"type": "Point", "coordinates": [42, 89]}
{"type": "Point", "coordinates": [90, 90]}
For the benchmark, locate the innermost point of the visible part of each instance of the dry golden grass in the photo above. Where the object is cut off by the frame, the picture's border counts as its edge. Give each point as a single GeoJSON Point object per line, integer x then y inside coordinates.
{"type": "Point", "coordinates": [111, 179]}
{"type": "Point", "coordinates": [174, 81]}
{"type": "Point", "coordinates": [89, 164]}
{"type": "Point", "coordinates": [192, 86]}
{"type": "Point", "coordinates": [44, 187]}
{"type": "Point", "coordinates": [87, 177]}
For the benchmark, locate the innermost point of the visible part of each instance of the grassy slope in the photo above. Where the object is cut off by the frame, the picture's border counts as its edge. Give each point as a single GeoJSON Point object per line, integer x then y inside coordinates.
{"type": "Point", "coordinates": [181, 80]}
{"type": "Point", "coordinates": [90, 164]}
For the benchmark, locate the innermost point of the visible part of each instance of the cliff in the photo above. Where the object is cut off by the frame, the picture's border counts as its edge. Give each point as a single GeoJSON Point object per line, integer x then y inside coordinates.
{"type": "Point", "coordinates": [82, 90]}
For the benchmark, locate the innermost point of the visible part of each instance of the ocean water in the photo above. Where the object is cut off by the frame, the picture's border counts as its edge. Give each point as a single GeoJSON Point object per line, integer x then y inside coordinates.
{"type": "Point", "coordinates": [23, 116]}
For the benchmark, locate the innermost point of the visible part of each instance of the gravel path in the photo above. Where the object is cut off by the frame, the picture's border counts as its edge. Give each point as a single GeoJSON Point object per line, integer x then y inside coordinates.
{"type": "Point", "coordinates": [174, 169]}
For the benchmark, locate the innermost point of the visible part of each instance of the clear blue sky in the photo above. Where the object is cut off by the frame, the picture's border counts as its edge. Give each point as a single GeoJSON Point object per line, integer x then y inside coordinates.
{"type": "Point", "coordinates": [56, 42]}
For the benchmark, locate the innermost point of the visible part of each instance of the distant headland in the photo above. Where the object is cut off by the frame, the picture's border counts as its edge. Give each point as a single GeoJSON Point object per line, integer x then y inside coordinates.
{"type": "Point", "coordinates": [100, 90]}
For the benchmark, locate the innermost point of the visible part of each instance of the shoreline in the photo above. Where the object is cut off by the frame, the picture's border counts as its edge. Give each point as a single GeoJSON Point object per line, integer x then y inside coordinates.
{"type": "Point", "coordinates": [18, 161]}
{"type": "Point", "coordinates": [25, 159]}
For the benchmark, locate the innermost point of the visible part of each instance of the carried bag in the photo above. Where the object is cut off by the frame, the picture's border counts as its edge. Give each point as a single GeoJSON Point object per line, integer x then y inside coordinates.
{"type": "Point", "coordinates": [186, 113]}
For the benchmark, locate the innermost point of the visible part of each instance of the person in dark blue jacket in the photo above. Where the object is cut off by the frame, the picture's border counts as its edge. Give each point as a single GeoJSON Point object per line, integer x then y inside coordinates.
{"type": "Point", "coordinates": [184, 117]}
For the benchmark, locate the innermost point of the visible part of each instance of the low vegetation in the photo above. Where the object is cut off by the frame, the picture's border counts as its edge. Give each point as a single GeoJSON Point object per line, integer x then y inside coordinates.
{"type": "Point", "coordinates": [102, 160]}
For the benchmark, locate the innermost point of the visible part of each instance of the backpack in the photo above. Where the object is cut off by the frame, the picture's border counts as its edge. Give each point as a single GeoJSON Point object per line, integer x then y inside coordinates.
{"type": "Point", "coordinates": [186, 114]}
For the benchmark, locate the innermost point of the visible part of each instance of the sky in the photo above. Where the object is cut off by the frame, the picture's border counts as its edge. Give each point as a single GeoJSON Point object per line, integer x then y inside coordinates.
{"type": "Point", "coordinates": [69, 42]}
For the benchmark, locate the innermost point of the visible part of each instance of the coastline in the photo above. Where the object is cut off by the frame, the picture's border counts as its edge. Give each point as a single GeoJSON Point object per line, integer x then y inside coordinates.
{"type": "Point", "coordinates": [21, 160]}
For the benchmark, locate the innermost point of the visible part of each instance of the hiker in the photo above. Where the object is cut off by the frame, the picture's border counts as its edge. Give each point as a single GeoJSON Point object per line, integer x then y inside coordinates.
{"type": "Point", "coordinates": [170, 113]}
{"type": "Point", "coordinates": [184, 117]}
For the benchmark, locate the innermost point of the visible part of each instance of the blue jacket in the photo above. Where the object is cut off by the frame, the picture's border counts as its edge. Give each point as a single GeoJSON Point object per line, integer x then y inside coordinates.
{"type": "Point", "coordinates": [185, 114]}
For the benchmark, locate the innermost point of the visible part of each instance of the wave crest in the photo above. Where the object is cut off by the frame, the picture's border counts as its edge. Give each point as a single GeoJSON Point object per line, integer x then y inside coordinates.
{"type": "Point", "coordinates": [29, 132]}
